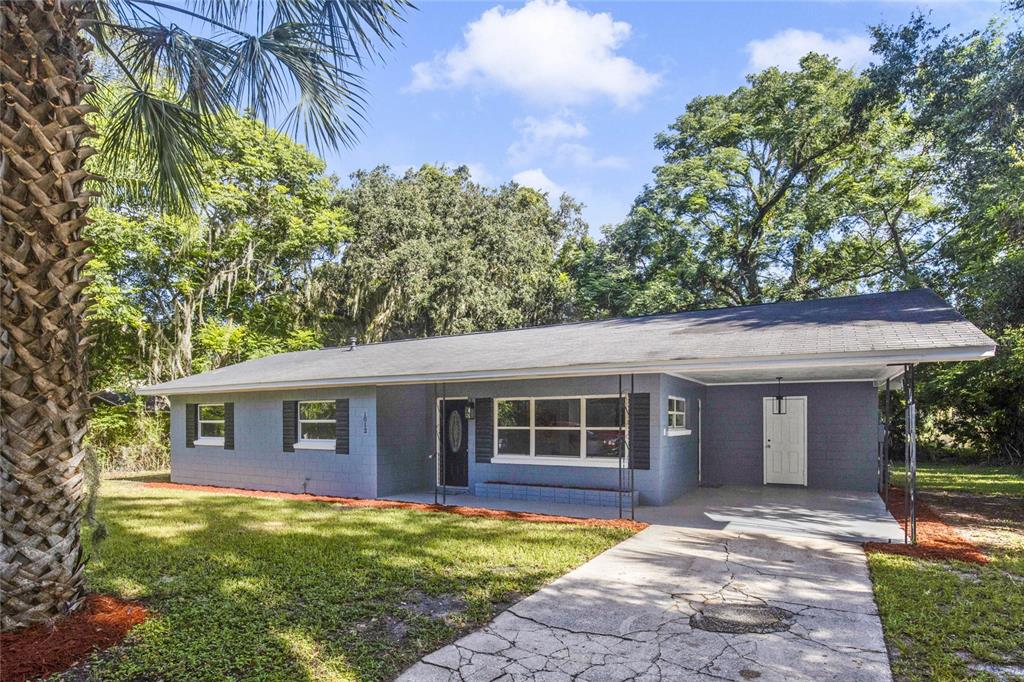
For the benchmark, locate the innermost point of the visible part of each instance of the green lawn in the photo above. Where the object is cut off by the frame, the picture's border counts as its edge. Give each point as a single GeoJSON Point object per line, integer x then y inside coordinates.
{"type": "Point", "coordinates": [949, 620]}
{"type": "Point", "coordinates": [268, 589]}
{"type": "Point", "coordinates": [941, 616]}
{"type": "Point", "coordinates": [968, 478]}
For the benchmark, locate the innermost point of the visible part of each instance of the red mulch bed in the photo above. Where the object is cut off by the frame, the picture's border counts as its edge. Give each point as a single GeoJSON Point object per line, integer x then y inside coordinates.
{"type": "Point", "coordinates": [393, 504]}
{"type": "Point", "coordinates": [936, 539]}
{"type": "Point", "coordinates": [42, 650]}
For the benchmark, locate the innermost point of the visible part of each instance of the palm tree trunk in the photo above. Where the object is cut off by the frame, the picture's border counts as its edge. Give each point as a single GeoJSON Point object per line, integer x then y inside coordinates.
{"type": "Point", "coordinates": [44, 401]}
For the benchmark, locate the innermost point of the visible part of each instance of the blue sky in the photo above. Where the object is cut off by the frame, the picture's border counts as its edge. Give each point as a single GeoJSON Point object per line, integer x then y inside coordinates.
{"type": "Point", "coordinates": [569, 96]}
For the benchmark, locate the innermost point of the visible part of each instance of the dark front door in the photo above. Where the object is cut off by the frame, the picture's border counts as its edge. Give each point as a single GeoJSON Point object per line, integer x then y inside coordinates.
{"type": "Point", "coordinates": [455, 443]}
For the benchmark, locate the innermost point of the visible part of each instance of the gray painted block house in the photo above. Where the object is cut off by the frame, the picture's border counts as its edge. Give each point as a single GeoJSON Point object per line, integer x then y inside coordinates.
{"type": "Point", "coordinates": [560, 411]}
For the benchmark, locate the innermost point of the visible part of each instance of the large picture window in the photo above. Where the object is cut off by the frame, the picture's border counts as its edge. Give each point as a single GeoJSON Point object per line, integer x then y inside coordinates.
{"type": "Point", "coordinates": [560, 430]}
{"type": "Point", "coordinates": [211, 424]}
{"type": "Point", "coordinates": [317, 424]}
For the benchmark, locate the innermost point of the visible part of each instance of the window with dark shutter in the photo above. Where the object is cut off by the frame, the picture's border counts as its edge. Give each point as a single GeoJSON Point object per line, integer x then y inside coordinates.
{"type": "Point", "coordinates": [229, 426]}
{"type": "Point", "coordinates": [341, 426]}
{"type": "Point", "coordinates": [640, 429]}
{"type": "Point", "coordinates": [289, 420]}
{"type": "Point", "coordinates": [191, 424]}
{"type": "Point", "coordinates": [484, 430]}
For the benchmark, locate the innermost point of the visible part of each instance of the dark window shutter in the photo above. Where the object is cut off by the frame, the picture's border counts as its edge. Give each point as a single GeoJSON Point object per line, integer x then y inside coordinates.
{"type": "Point", "coordinates": [191, 424]}
{"type": "Point", "coordinates": [484, 430]}
{"type": "Point", "coordinates": [229, 426]}
{"type": "Point", "coordinates": [290, 420]}
{"type": "Point", "coordinates": [640, 429]}
{"type": "Point", "coordinates": [341, 426]}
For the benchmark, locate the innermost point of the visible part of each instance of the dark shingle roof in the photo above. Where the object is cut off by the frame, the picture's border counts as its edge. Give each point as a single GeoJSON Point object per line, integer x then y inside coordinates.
{"type": "Point", "coordinates": [914, 323]}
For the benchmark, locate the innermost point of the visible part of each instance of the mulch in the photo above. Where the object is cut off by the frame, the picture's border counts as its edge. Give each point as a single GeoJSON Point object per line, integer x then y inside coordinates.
{"type": "Point", "coordinates": [936, 539]}
{"type": "Point", "coordinates": [476, 512]}
{"type": "Point", "coordinates": [42, 650]}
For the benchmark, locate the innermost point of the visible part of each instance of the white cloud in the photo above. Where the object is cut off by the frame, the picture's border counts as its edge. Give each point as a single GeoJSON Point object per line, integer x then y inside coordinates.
{"type": "Point", "coordinates": [556, 138]}
{"type": "Point", "coordinates": [539, 137]}
{"type": "Point", "coordinates": [538, 180]}
{"type": "Point", "coordinates": [479, 173]}
{"type": "Point", "coordinates": [583, 156]}
{"type": "Point", "coordinates": [785, 49]}
{"type": "Point", "coordinates": [546, 51]}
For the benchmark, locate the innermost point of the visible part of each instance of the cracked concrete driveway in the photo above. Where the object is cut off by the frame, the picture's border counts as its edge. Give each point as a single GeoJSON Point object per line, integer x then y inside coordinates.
{"type": "Point", "coordinates": [671, 604]}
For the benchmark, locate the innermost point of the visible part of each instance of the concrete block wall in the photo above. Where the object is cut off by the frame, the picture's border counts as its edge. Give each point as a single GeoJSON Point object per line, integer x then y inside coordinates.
{"type": "Point", "coordinates": [842, 421]}
{"type": "Point", "coordinates": [649, 482]}
{"type": "Point", "coordinates": [259, 461]}
{"type": "Point", "coordinates": [678, 457]}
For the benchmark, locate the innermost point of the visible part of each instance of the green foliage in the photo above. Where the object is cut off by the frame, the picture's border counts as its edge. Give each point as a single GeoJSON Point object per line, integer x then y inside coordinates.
{"type": "Point", "coordinates": [434, 253]}
{"type": "Point", "coordinates": [128, 438]}
{"type": "Point", "coordinates": [256, 56]}
{"type": "Point", "coordinates": [978, 479]}
{"type": "Point", "coordinates": [178, 294]}
{"type": "Point", "coordinates": [240, 587]}
{"type": "Point", "coordinates": [786, 188]}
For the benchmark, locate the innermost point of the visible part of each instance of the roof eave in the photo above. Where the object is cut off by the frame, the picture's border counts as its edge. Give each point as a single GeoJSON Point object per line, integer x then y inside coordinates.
{"type": "Point", "coordinates": [947, 354]}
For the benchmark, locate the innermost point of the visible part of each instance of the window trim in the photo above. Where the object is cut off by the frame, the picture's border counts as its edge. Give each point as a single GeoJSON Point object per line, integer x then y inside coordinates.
{"type": "Point", "coordinates": [314, 443]}
{"type": "Point", "coordinates": [213, 441]}
{"type": "Point", "coordinates": [683, 430]}
{"type": "Point", "coordinates": [553, 460]}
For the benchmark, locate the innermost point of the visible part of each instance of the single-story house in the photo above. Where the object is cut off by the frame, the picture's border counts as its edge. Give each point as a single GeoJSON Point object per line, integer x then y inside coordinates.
{"type": "Point", "coordinates": [776, 394]}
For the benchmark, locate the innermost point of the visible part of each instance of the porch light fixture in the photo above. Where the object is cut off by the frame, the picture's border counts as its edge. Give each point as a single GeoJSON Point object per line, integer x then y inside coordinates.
{"type": "Point", "coordinates": [779, 404]}
{"type": "Point", "coordinates": [470, 409]}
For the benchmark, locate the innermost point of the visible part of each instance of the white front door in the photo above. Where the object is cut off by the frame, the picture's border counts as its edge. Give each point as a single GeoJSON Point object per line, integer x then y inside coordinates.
{"type": "Point", "coordinates": [785, 442]}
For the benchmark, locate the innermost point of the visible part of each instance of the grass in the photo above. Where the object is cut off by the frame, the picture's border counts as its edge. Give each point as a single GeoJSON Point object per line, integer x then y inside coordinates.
{"type": "Point", "coordinates": [978, 479]}
{"type": "Point", "coordinates": [267, 589]}
{"type": "Point", "coordinates": [949, 620]}
{"type": "Point", "coordinates": [941, 616]}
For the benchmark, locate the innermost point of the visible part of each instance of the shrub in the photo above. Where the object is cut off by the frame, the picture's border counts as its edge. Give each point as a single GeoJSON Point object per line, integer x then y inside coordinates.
{"type": "Point", "coordinates": [129, 438]}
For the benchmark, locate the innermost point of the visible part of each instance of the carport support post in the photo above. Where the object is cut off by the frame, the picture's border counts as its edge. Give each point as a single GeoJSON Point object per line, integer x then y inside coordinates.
{"type": "Point", "coordinates": [887, 440]}
{"type": "Point", "coordinates": [621, 441]}
{"type": "Point", "coordinates": [437, 444]}
{"type": "Point", "coordinates": [629, 449]}
{"type": "Point", "coordinates": [444, 443]}
{"type": "Point", "coordinates": [911, 453]}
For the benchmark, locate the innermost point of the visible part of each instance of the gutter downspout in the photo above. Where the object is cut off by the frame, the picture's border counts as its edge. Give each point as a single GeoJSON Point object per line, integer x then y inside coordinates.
{"type": "Point", "coordinates": [700, 439]}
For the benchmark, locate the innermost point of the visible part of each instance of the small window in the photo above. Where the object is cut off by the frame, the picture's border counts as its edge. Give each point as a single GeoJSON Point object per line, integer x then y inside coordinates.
{"type": "Point", "coordinates": [676, 413]}
{"type": "Point", "coordinates": [211, 425]}
{"type": "Point", "coordinates": [316, 423]}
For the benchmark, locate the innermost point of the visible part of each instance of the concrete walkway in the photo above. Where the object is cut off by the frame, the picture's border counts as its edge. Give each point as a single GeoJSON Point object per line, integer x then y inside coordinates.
{"type": "Point", "coordinates": [677, 603]}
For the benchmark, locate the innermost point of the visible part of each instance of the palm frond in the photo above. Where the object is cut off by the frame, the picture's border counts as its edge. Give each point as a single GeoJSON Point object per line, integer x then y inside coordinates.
{"type": "Point", "coordinates": [195, 65]}
{"type": "Point", "coordinates": [348, 26]}
{"type": "Point", "coordinates": [162, 143]}
{"type": "Point", "coordinates": [301, 52]}
{"type": "Point", "coordinates": [327, 92]}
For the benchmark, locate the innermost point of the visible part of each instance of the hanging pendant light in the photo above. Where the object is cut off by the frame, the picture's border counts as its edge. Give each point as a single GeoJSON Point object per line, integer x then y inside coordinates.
{"type": "Point", "coordinates": [779, 404]}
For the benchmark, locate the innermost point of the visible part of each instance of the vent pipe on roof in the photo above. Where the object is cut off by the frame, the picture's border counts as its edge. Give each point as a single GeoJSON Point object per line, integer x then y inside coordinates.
{"type": "Point", "coordinates": [351, 343]}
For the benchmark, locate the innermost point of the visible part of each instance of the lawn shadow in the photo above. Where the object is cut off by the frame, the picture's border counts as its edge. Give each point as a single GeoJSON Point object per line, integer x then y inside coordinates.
{"type": "Point", "coordinates": [310, 590]}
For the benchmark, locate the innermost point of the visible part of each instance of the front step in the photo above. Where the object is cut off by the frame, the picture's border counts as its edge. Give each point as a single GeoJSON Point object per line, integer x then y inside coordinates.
{"type": "Point", "coordinates": [452, 490]}
{"type": "Point", "coordinates": [557, 495]}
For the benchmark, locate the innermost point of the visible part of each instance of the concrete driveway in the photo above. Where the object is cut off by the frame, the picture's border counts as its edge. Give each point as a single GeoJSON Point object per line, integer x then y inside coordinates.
{"type": "Point", "coordinates": [679, 602]}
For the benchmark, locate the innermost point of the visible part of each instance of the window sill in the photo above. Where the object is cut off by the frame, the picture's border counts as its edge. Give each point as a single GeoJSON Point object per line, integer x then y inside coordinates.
{"type": "Point", "coordinates": [610, 462]}
{"type": "Point", "coordinates": [315, 445]}
{"type": "Point", "coordinates": [209, 442]}
{"type": "Point", "coordinates": [677, 432]}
